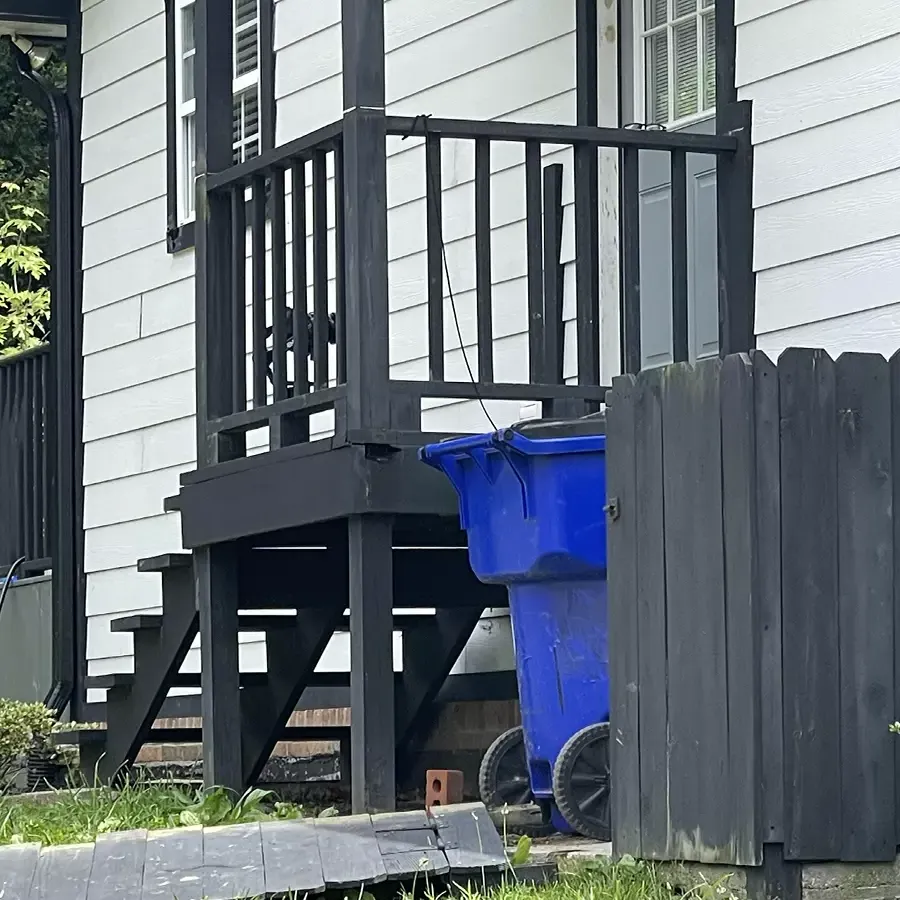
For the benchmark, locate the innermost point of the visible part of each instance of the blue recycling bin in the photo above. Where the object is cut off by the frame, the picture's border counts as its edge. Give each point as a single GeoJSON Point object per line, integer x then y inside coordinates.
{"type": "Point", "coordinates": [532, 499]}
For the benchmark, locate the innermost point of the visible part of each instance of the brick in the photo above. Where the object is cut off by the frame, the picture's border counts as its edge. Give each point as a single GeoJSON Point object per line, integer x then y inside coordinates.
{"type": "Point", "coordinates": [443, 787]}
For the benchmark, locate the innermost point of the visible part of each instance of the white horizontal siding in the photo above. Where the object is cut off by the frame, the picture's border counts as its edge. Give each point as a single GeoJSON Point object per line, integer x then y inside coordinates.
{"type": "Point", "coordinates": [479, 59]}
{"type": "Point", "coordinates": [824, 79]}
{"type": "Point", "coordinates": [138, 311]}
{"type": "Point", "coordinates": [482, 59]}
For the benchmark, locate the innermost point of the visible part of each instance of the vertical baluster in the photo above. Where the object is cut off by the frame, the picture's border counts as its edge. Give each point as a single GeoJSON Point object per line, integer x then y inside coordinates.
{"type": "Point", "coordinates": [5, 477]}
{"type": "Point", "coordinates": [258, 240]}
{"type": "Point", "coordinates": [239, 298]}
{"type": "Point", "coordinates": [435, 254]}
{"type": "Point", "coordinates": [679, 257]}
{"type": "Point", "coordinates": [536, 374]}
{"type": "Point", "coordinates": [5, 547]}
{"type": "Point", "coordinates": [340, 315]}
{"type": "Point", "coordinates": [44, 456]}
{"type": "Point", "coordinates": [279, 287]}
{"type": "Point", "coordinates": [20, 495]}
{"type": "Point", "coordinates": [553, 274]}
{"type": "Point", "coordinates": [587, 263]}
{"type": "Point", "coordinates": [298, 244]}
{"type": "Point", "coordinates": [320, 270]}
{"type": "Point", "coordinates": [483, 287]}
{"type": "Point", "coordinates": [40, 457]}
{"type": "Point", "coordinates": [30, 435]}
{"type": "Point", "coordinates": [630, 241]}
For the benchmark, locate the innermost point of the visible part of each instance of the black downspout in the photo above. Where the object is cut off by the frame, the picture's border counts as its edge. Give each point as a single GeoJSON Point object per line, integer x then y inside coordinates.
{"type": "Point", "coordinates": [64, 395]}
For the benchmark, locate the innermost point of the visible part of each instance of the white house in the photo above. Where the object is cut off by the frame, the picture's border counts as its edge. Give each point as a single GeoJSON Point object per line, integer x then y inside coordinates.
{"type": "Point", "coordinates": [824, 83]}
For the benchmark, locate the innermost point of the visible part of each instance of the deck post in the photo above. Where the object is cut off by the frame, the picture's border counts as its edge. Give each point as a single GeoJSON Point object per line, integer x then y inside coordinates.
{"type": "Point", "coordinates": [215, 570]}
{"type": "Point", "coordinates": [214, 326]}
{"type": "Point", "coordinates": [734, 197]}
{"type": "Point", "coordinates": [365, 219]}
{"type": "Point", "coordinates": [372, 737]}
{"type": "Point", "coordinates": [216, 588]}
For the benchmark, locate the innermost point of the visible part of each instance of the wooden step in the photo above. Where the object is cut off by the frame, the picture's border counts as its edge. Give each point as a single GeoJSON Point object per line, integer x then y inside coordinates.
{"type": "Point", "coordinates": [192, 680]}
{"type": "Point", "coordinates": [253, 622]}
{"type": "Point", "coordinates": [195, 735]}
{"type": "Point", "coordinates": [165, 562]}
{"type": "Point", "coordinates": [181, 680]}
{"type": "Point", "coordinates": [153, 622]}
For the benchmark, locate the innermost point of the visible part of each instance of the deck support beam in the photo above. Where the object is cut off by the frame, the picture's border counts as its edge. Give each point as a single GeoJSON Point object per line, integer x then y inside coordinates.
{"type": "Point", "coordinates": [216, 587]}
{"type": "Point", "coordinates": [372, 740]}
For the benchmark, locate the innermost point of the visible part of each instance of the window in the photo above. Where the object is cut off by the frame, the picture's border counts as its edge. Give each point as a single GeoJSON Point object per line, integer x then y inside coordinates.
{"type": "Point", "coordinates": [253, 82]}
{"type": "Point", "coordinates": [678, 43]}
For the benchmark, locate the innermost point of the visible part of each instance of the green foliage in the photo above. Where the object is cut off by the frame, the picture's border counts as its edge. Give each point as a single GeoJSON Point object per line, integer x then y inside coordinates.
{"type": "Point", "coordinates": [217, 808]}
{"type": "Point", "coordinates": [24, 133]}
{"type": "Point", "coordinates": [600, 879]}
{"type": "Point", "coordinates": [23, 727]}
{"type": "Point", "coordinates": [78, 816]}
{"type": "Point", "coordinates": [24, 297]}
{"type": "Point", "coordinates": [522, 852]}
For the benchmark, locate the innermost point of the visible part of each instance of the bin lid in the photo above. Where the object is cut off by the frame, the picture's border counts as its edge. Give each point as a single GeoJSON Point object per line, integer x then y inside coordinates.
{"type": "Point", "coordinates": [550, 429]}
{"type": "Point", "coordinates": [536, 437]}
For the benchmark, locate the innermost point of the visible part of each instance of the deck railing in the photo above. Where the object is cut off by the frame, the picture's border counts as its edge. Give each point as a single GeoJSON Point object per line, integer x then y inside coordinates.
{"type": "Point", "coordinates": [279, 362]}
{"type": "Point", "coordinates": [24, 459]}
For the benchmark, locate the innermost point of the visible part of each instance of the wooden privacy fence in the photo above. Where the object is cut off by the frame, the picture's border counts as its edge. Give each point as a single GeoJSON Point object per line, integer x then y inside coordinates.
{"type": "Point", "coordinates": [754, 562]}
{"type": "Point", "coordinates": [24, 474]}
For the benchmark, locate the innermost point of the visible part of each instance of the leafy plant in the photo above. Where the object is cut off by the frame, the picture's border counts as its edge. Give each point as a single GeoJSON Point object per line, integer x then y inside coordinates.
{"type": "Point", "coordinates": [23, 727]}
{"type": "Point", "coordinates": [216, 808]}
{"type": "Point", "coordinates": [24, 296]}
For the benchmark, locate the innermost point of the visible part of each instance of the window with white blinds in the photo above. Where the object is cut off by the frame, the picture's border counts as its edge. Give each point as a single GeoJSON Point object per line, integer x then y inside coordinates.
{"type": "Point", "coordinates": [247, 134]}
{"type": "Point", "coordinates": [679, 56]}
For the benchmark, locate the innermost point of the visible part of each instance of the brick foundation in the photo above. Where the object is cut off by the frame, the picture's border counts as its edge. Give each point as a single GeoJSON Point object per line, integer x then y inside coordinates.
{"type": "Point", "coordinates": [461, 734]}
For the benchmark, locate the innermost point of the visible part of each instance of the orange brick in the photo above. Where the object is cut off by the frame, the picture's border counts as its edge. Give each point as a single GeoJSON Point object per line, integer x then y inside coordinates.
{"type": "Point", "coordinates": [443, 787]}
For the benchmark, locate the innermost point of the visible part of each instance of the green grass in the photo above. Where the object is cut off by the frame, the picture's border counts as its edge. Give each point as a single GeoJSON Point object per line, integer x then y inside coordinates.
{"type": "Point", "coordinates": [78, 816]}
{"type": "Point", "coordinates": [602, 879]}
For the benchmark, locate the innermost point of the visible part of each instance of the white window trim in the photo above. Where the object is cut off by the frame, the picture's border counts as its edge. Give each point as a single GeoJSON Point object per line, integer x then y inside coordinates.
{"type": "Point", "coordinates": [186, 201]}
{"type": "Point", "coordinates": [640, 71]}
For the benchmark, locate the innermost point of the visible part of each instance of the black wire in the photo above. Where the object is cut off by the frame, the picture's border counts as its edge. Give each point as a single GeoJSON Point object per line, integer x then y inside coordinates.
{"type": "Point", "coordinates": [462, 343]}
{"type": "Point", "coordinates": [8, 579]}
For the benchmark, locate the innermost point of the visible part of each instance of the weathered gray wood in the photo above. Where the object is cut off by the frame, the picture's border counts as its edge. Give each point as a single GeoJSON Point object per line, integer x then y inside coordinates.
{"type": "Point", "coordinates": [697, 710]}
{"type": "Point", "coordinates": [895, 468]}
{"type": "Point", "coordinates": [408, 843]}
{"type": "Point", "coordinates": [741, 618]}
{"type": "Point", "coordinates": [416, 865]}
{"type": "Point", "coordinates": [349, 852]}
{"type": "Point", "coordinates": [471, 840]}
{"type": "Point", "coordinates": [402, 821]}
{"type": "Point", "coordinates": [651, 614]}
{"type": "Point", "coordinates": [623, 617]}
{"type": "Point", "coordinates": [118, 869]}
{"type": "Point", "coordinates": [812, 757]}
{"type": "Point", "coordinates": [63, 873]}
{"type": "Point", "coordinates": [865, 573]}
{"type": "Point", "coordinates": [174, 865]}
{"type": "Point", "coordinates": [233, 862]}
{"type": "Point", "coordinates": [291, 857]}
{"type": "Point", "coordinates": [768, 591]}
{"type": "Point", "coordinates": [18, 867]}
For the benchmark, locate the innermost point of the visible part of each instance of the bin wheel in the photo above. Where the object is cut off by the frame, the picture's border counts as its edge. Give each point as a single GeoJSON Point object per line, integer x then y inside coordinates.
{"type": "Point", "coordinates": [581, 782]}
{"type": "Point", "coordinates": [503, 777]}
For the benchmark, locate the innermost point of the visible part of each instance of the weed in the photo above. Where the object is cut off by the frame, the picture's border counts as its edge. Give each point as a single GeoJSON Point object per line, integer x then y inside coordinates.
{"type": "Point", "coordinates": [78, 816]}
